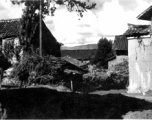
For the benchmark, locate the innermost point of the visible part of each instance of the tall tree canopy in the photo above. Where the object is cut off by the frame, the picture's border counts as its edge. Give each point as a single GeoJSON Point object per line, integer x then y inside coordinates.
{"type": "Point", "coordinates": [30, 17]}
{"type": "Point", "coordinates": [104, 51]}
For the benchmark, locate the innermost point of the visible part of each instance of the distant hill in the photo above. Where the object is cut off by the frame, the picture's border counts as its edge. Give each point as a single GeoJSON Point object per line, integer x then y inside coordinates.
{"type": "Point", "coordinates": [81, 47]}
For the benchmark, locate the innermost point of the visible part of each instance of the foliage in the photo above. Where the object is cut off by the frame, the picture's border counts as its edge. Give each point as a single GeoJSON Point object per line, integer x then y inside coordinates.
{"type": "Point", "coordinates": [10, 50]}
{"type": "Point", "coordinates": [120, 73]}
{"type": "Point", "coordinates": [30, 33]}
{"type": "Point", "coordinates": [37, 69]}
{"type": "Point", "coordinates": [104, 51]}
{"type": "Point", "coordinates": [4, 62]}
{"type": "Point", "coordinates": [9, 81]}
{"type": "Point", "coordinates": [115, 78]}
{"type": "Point", "coordinates": [30, 17]}
{"type": "Point", "coordinates": [45, 70]}
{"type": "Point", "coordinates": [72, 5]}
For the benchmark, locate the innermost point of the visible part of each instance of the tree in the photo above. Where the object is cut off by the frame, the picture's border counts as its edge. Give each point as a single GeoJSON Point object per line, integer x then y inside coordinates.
{"type": "Point", "coordinates": [30, 17]}
{"type": "Point", "coordinates": [104, 51]}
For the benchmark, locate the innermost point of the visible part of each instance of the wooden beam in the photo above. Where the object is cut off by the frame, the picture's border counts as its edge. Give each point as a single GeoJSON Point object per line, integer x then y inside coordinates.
{"type": "Point", "coordinates": [1, 77]}
{"type": "Point", "coordinates": [151, 28]}
{"type": "Point", "coordinates": [40, 29]}
{"type": "Point", "coordinates": [72, 85]}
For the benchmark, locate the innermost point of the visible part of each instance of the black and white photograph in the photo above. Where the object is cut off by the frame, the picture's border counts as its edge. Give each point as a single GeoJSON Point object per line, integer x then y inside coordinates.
{"type": "Point", "coordinates": [75, 59]}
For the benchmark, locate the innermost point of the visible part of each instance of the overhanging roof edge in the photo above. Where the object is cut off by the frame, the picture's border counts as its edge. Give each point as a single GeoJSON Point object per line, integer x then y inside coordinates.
{"type": "Point", "coordinates": [144, 12]}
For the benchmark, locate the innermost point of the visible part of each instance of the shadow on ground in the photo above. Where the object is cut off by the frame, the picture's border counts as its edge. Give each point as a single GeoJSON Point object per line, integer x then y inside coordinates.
{"type": "Point", "coordinates": [43, 103]}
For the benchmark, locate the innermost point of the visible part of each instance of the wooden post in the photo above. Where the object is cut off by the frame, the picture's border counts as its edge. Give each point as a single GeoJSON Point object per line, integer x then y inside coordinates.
{"type": "Point", "coordinates": [1, 77]}
{"type": "Point", "coordinates": [151, 28]}
{"type": "Point", "coordinates": [0, 80]}
{"type": "Point", "coordinates": [40, 29]}
{"type": "Point", "coordinates": [72, 85]}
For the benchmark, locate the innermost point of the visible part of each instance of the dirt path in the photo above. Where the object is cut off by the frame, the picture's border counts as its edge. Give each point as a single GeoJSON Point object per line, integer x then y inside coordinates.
{"type": "Point", "coordinates": [147, 96]}
{"type": "Point", "coordinates": [144, 114]}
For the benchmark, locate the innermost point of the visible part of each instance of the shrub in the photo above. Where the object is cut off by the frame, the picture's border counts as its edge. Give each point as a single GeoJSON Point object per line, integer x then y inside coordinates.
{"type": "Point", "coordinates": [115, 78]}
{"type": "Point", "coordinates": [120, 74]}
{"type": "Point", "coordinates": [37, 69]}
{"type": "Point", "coordinates": [45, 70]}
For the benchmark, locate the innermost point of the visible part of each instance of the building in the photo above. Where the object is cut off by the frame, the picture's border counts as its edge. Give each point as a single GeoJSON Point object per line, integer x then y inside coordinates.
{"type": "Point", "coordinates": [10, 32]}
{"type": "Point", "coordinates": [140, 54]}
{"type": "Point", "coordinates": [121, 51]}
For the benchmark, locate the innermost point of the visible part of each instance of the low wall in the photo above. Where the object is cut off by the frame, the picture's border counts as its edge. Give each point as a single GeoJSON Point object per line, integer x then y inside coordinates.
{"type": "Point", "coordinates": [116, 61]}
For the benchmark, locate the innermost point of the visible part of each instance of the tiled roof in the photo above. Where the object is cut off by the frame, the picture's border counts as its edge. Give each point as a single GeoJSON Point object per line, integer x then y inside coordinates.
{"type": "Point", "coordinates": [121, 43]}
{"type": "Point", "coordinates": [9, 28]}
{"type": "Point", "coordinates": [146, 15]}
{"type": "Point", "coordinates": [79, 54]}
{"type": "Point", "coordinates": [73, 61]}
{"type": "Point", "coordinates": [137, 30]}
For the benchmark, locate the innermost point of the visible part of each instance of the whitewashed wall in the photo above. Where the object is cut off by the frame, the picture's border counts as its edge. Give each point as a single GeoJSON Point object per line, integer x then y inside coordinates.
{"type": "Point", "coordinates": [16, 42]}
{"type": "Point", "coordinates": [140, 65]}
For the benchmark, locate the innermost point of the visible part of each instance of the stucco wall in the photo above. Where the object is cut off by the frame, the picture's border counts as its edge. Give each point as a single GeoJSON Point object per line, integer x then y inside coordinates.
{"type": "Point", "coordinates": [15, 41]}
{"type": "Point", "coordinates": [140, 65]}
{"type": "Point", "coordinates": [116, 61]}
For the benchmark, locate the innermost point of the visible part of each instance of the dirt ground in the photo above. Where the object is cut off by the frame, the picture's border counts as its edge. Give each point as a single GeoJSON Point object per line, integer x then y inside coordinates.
{"type": "Point", "coordinates": [144, 114]}
{"type": "Point", "coordinates": [44, 103]}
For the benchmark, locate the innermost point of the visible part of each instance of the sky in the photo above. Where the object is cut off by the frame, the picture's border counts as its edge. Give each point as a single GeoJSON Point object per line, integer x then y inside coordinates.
{"type": "Point", "coordinates": [109, 18]}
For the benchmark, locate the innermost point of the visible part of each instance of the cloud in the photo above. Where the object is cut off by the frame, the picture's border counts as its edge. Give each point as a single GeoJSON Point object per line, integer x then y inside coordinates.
{"type": "Point", "coordinates": [86, 34]}
{"type": "Point", "coordinates": [110, 17]}
{"type": "Point", "coordinates": [129, 4]}
{"type": "Point", "coordinates": [50, 24]}
{"type": "Point", "coordinates": [8, 10]}
{"type": "Point", "coordinates": [51, 27]}
{"type": "Point", "coordinates": [49, 21]}
{"type": "Point", "coordinates": [149, 1]}
{"type": "Point", "coordinates": [84, 25]}
{"type": "Point", "coordinates": [81, 41]}
{"type": "Point", "coordinates": [2, 7]}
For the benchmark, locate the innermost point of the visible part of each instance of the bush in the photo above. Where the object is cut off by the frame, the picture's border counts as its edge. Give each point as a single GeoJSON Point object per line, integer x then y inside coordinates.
{"type": "Point", "coordinates": [115, 78]}
{"type": "Point", "coordinates": [45, 70]}
{"type": "Point", "coordinates": [38, 70]}
{"type": "Point", "coordinates": [120, 74]}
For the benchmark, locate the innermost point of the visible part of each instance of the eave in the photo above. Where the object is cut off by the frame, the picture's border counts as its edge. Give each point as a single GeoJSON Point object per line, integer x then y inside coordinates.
{"type": "Point", "coordinates": [146, 15]}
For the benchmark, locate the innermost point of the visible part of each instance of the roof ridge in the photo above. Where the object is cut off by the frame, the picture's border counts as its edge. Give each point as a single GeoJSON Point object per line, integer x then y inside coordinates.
{"type": "Point", "coordinates": [10, 20]}
{"type": "Point", "coordinates": [138, 24]}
